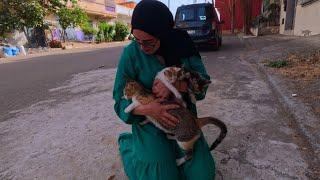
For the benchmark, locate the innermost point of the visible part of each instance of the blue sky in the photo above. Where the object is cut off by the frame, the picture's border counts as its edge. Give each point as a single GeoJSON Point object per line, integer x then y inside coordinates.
{"type": "Point", "coordinates": [174, 4]}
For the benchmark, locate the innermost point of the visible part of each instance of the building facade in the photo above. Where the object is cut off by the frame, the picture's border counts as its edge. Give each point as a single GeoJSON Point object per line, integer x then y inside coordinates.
{"type": "Point", "coordinates": [97, 11]}
{"type": "Point", "coordinates": [300, 17]}
{"type": "Point", "coordinates": [124, 10]}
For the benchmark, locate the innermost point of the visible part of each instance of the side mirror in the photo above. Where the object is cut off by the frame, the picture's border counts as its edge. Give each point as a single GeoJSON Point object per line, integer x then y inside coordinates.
{"type": "Point", "coordinates": [222, 22]}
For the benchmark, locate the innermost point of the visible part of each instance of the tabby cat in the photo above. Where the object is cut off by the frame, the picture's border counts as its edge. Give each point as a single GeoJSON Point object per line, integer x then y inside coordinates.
{"type": "Point", "coordinates": [188, 130]}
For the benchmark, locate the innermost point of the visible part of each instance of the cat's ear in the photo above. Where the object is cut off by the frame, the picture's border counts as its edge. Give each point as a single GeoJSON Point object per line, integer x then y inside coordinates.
{"type": "Point", "coordinates": [204, 83]}
{"type": "Point", "coordinates": [185, 73]}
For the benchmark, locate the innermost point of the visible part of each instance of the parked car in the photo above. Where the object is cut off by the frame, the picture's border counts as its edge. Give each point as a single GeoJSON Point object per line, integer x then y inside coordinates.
{"type": "Point", "coordinates": [202, 23]}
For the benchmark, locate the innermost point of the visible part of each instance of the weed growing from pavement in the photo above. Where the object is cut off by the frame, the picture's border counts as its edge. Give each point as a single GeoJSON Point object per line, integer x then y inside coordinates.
{"type": "Point", "coordinates": [278, 64]}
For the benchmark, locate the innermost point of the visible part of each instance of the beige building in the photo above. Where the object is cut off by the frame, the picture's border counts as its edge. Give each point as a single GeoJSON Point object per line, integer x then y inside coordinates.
{"type": "Point", "coordinates": [99, 10]}
{"type": "Point", "coordinates": [124, 10]}
{"type": "Point", "coordinates": [300, 18]}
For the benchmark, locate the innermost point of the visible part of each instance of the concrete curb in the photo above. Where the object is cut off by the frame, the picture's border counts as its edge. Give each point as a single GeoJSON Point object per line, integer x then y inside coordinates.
{"type": "Point", "coordinates": [58, 52]}
{"type": "Point", "coordinates": [306, 120]}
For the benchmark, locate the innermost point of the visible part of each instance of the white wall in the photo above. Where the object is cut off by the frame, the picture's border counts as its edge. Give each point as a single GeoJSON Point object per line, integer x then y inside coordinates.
{"type": "Point", "coordinates": [307, 18]}
{"type": "Point", "coordinates": [123, 10]}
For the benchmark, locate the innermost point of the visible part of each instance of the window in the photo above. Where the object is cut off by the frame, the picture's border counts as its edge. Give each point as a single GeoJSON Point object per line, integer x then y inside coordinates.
{"type": "Point", "coordinates": [186, 15]}
{"type": "Point", "coordinates": [110, 8]}
{"type": "Point", "coordinates": [193, 14]}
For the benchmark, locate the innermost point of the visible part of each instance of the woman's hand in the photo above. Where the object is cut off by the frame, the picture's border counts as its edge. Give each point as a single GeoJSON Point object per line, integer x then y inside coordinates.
{"type": "Point", "coordinates": [158, 112]}
{"type": "Point", "coordinates": [160, 90]}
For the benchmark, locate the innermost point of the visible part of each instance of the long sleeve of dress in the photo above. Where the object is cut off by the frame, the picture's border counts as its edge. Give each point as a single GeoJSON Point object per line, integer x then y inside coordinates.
{"type": "Point", "coordinates": [195, 63]}
{"type": "Point", "coordinates": [125, 69]}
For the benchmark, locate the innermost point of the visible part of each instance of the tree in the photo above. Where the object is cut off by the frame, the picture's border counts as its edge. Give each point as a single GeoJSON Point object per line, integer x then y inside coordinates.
{"type": "Point", "coordinates": [9, 19]}
{"type": "Point", "coordinates": [71, 17]}
{"type": "Point", "coordinates": [17, 14]}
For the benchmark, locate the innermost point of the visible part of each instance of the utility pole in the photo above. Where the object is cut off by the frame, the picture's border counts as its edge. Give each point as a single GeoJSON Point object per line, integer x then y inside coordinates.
{"type": "Point", "coordinates": [169, 4]}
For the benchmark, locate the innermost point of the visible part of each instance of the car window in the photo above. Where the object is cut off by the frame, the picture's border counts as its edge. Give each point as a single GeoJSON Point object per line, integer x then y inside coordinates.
{"type": "Point", "coordinates": [202, 16]}
{"type": "Point", "coordinates": [192, 14]}
{"type": "Point", "coordinates": [186, 14]}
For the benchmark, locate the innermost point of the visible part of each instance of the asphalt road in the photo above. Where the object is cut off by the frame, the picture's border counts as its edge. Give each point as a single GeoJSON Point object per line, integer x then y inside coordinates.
{"type": "Point", "coordinates": [27, 82]}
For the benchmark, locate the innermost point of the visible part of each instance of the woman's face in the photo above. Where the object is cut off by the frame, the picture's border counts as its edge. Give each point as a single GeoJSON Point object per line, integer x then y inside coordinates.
{"type": "Point", "coordinates": [148, 43]}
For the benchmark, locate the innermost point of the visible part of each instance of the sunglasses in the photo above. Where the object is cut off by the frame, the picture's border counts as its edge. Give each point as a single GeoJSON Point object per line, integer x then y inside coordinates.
{"type": "Point", "coordinates": [150, 43]}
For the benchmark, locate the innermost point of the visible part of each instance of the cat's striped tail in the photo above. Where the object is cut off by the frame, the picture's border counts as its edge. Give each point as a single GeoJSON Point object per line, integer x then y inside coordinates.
{"type": "Point", "coordinates": [211, 120]}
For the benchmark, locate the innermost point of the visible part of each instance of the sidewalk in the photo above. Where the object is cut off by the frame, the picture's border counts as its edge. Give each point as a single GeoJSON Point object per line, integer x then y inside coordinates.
{"type": "Point", "coordinates": [55, 51]}
{"type": "Point", "coordinates": [299, 98]}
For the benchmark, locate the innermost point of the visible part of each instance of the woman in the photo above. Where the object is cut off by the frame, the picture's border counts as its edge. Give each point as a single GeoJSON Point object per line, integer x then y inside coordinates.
{"type": "Point", "coordinates": [146, 153]}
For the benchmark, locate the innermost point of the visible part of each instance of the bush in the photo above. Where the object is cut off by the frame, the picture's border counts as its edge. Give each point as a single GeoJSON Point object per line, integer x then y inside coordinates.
{"type": "Point", "coordinates": [106, 32]}
{"type": "Point", "coordinates": [55, 44]}
{"type": "Point", "coordinates": [87, 29]}
{"type": "Point", "coordinates": [122, 31]}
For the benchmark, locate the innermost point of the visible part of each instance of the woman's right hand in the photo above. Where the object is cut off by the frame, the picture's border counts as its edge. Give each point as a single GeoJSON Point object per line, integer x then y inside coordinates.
{"type": "Point", "coordinates": [159, 112]}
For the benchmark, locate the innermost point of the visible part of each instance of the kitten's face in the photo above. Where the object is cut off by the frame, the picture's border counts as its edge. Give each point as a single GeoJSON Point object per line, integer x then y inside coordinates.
{"type": "Point", "coordinates": [132, 88]}
{"type": "Point", "coordinates": [195, 82]}
{"type": "Point", "coordinates": [172, 74]}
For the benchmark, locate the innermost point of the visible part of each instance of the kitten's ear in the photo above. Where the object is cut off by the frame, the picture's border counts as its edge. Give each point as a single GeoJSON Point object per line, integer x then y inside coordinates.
{"type": "Point", "coordinates": [204, 82]}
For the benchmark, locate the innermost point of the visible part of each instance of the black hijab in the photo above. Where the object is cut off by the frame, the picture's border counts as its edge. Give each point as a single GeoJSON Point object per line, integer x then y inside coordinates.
{"type": "Point", "coordinates": [155, 18]}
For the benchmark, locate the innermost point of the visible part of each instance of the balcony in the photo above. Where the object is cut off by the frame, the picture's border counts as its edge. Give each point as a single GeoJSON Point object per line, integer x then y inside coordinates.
{"type": "Point", "coordinates": [101, 8]}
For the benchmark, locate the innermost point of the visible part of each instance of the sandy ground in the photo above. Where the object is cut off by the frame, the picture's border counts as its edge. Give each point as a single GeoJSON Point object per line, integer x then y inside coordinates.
{"type": "Point", "coordinates": [75, 136]}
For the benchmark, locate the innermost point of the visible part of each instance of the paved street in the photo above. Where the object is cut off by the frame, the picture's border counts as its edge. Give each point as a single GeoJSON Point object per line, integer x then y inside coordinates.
{"type": "Point", "coordinates": [27, 82]}
{"type": "Point", "coordinates": [57, 119]}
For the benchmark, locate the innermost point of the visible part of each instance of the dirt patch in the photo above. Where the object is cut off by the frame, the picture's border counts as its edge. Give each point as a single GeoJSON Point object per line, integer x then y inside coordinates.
{"type": "Point", "coordinates": [302, 72]}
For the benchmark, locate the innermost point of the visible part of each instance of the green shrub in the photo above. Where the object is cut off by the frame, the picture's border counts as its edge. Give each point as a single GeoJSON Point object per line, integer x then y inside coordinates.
{"type": "Point", "coordinates": [278, 64]}
{"type": "Point", "coordinates": [121, 31]}
{"type": "Point", "coordinates": [87, 29]}
{"type": "Point", "coordinates": [106, 32]}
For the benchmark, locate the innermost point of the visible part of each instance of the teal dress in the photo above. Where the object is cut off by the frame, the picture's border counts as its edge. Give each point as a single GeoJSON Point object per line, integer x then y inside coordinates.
{"type": "Point", "coordinates": [146, 153]}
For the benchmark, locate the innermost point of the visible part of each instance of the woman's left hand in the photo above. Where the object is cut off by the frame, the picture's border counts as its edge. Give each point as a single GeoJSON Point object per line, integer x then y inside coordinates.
{"type": "Point", "coordinates": [160, 90]}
